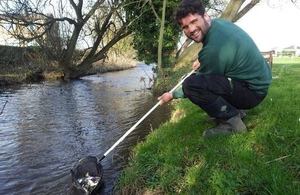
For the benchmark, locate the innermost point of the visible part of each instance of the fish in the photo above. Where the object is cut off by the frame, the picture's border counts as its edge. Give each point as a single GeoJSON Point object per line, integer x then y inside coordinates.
{"type": "Point", "coordinates": [89, 183]}
{"type": "Point", "coordinates": [87, 176]}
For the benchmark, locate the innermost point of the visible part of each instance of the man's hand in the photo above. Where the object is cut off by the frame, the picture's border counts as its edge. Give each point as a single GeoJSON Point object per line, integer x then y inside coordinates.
{"type": "Point", "coordinates": [165, 98]}
{"type": "Point", "coordinates": [196, 65]}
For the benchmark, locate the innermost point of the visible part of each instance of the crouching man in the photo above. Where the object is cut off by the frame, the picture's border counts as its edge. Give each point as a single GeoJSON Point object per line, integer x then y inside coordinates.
{"type": "Point", "coordinates": [231, 72]}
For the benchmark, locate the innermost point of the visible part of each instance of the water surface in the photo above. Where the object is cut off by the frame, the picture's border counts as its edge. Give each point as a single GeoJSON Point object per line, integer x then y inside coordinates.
{"type": "Point", "coordinates": [46, 128]}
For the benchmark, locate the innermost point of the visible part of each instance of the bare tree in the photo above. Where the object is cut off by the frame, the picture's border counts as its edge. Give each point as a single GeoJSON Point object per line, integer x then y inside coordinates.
{"type": "Point", "coordinates": [61, 27]}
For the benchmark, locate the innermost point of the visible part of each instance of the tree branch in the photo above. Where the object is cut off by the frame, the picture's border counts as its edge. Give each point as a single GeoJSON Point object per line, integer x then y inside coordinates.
{"type": "Point", "coordinates": [100, 33]}
{"type": "Point", "coordinates": [245, 10]}
{"type": "Point", "coordinates": [78, 9]}
{"type": "Point", "coordinates": [92, 11]}
{"type": "Point", "coordinates": [232, 9]}
{"type": "Point", "coordinates": [153, 9]}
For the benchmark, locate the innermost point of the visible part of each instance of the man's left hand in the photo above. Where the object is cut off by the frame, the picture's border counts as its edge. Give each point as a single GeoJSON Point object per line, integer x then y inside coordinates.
{"type": "Point", "coordinates": [196, 65]}
{"type": "Point", "coordinates": [165, 98]}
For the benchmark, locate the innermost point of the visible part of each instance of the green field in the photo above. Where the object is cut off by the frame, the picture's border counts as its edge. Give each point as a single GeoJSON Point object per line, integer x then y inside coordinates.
{"type": "Point", "coordinates": [175, 159]}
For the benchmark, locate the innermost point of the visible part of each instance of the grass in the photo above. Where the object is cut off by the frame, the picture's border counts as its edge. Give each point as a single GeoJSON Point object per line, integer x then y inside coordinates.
{"type": "Point", "coordinates": [175, 159]}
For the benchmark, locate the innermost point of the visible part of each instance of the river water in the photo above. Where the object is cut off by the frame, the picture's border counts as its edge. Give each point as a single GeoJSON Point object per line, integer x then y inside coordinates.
{"type": "Point", "coordinates": [46, 128]}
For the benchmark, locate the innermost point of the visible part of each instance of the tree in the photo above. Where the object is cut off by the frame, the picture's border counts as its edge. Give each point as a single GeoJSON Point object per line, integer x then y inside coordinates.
{"type": "Point", "coordinates": [61, 27]}
{"type": "Point", "coordinates": [146, 30]}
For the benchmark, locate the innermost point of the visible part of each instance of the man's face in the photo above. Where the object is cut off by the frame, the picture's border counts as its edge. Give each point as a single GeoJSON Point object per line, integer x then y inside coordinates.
{"type": "Point", "coordinates": [195, 26]}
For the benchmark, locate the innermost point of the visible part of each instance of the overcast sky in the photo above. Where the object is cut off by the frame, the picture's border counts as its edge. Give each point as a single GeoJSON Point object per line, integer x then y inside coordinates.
{"type": "Point", "coordinates": [273, 23]}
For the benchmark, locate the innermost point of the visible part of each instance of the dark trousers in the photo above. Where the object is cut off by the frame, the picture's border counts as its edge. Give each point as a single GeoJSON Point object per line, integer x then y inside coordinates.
{"type": "Point", "coordinates": [211, 92]}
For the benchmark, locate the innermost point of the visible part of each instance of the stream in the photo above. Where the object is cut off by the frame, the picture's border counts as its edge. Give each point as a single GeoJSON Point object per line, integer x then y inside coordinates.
{"type": "Point", "coordinates": [46, 128]}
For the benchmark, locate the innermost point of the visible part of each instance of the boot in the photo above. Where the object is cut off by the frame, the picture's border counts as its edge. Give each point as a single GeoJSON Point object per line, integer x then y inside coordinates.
{"type": "Point", "coordinates": [228, 127]}
{"type": "Point", "coordinates": [217, 121]}
{"type": "Point", "coordinates": [243, 114]}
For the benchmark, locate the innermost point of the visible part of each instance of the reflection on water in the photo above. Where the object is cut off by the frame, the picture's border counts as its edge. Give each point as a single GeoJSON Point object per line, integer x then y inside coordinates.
{"type": "Point", "coordinates": [46, 128]}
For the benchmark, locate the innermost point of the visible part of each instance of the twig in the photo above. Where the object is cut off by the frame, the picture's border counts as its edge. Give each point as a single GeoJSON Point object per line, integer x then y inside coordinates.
{"type": "Point", "coordinates": [3, 107]}
{"type": "Point", "coordinates": [277, 159]}
{"type": "Point", "coordinates": [151, 127]}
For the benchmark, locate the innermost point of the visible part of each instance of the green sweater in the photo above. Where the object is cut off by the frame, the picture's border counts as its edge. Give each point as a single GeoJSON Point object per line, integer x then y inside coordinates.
{"type": "Point", "coordinates": [228, 50]}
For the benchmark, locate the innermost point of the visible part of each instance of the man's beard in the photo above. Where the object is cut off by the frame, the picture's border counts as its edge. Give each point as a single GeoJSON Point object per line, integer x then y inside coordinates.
{"type": "Point", "coordinates": [202, 30]}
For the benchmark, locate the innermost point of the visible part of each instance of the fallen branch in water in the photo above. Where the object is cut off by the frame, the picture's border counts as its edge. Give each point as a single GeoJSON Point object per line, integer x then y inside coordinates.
{"type": "Point", "coordinates": [3, 107]}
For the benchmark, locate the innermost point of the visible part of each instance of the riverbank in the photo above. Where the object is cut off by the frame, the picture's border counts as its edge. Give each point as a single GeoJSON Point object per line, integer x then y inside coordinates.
{"type": "Point", "coordinates": [175, 159]}
{"type": "Point", "coordinates": [29, 64]}
{"type": "Point", "coordinates": [13, 75]}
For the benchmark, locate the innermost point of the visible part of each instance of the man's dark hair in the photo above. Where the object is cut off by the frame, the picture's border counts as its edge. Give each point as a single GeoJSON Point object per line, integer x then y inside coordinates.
{"type": "Point", "coordinates": [187, 7]}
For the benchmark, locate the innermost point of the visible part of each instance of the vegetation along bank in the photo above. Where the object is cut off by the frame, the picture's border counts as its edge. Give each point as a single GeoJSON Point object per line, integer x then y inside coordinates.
{"type": "Point", "coordinates": [29, 64]}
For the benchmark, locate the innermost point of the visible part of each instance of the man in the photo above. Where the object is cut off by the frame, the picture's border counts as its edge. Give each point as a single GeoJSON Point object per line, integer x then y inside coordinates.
{"type": "Point", "coordinates": [231, 72]}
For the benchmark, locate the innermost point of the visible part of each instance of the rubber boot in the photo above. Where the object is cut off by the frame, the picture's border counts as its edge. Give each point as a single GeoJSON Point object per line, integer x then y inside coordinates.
{"type": "Point", "coordinates": [242, 114]}
{"type": "Point", "coordinates": [228, 116]}
{"type": "Point", "coordinates": [228, 127]}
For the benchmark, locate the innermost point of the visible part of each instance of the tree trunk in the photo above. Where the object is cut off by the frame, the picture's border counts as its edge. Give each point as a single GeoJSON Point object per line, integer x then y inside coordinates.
{"type": "Point", "coordinates": [232, 9]}
{"type": "Point", "coordinates": [161, 38]}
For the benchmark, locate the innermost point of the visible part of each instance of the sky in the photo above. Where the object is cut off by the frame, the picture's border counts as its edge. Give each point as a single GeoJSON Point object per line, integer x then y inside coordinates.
{"type": "Point", "coordinates": [273, 24]}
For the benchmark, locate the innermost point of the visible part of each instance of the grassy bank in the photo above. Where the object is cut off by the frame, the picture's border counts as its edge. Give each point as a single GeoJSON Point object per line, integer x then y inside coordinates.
{"type": "Point", "coordinates": [175, 159]}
